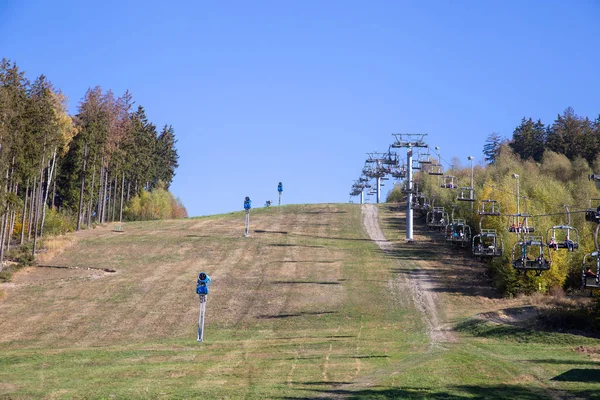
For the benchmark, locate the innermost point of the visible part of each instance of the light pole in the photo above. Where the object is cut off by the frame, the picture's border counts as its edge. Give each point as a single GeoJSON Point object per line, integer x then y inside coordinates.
{"type": "Point", "coordinates": [472, 190]}
{"type": "Point", "coordinates": [515, 176]}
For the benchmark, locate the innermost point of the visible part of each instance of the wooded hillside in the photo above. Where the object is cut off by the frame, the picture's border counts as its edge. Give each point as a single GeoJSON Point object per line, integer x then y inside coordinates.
{"type": "Point", "coordinates": [84, 167]}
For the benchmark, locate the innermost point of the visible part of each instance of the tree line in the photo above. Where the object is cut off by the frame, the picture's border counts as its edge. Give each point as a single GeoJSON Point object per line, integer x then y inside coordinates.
{"type": "Point", "coordinates": [88, 166]}
{"type": "Point", "coordinates": [570, 134]}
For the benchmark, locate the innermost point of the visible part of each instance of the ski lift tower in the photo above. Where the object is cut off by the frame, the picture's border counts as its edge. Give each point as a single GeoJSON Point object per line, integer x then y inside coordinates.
{"type": "Point", "coordinates": [378, 170]}
{"type": "Point", "coordinates": [409, 141]}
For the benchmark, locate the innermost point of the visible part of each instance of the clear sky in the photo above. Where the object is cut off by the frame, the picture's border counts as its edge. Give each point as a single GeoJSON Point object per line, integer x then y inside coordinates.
{"type": "Point", "coordinates": [298, 91]}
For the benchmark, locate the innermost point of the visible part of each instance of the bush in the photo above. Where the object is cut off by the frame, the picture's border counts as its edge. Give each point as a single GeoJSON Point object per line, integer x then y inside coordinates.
{"type": "Point", "coordinates": [395, 195]}
{"type": "Point", "coordinates": [157, 204]}
{"type": "Point", "coordinates": [59, 222]}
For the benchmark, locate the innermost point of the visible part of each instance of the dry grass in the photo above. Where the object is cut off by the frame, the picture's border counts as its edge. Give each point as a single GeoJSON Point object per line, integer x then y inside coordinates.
{"type": "Point", "coordinates": [53, 246]}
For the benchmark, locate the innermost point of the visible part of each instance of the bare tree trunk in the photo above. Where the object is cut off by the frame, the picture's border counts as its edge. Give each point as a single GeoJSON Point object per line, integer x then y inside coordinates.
{"type": "Point", "coordinates": [100, 202]}
{"type": "Point", "coordinates": [122, 190]}
{"type": "Point", "coordinates": [104, 196]}
{"type": "Point", "coordinates": [11, 229]}
{"type": "Point", "coordinates": [4, 221]}
{"type": "Point", "coordinates": [54, 188]}
{"type": "Point", "coordinates": [12, 221]}
{"type": "Point", "coordinates": [24, 213]}
{"type": "Point", "coordinates": [109, 198]}
{"type": "Point", "coordinates": [89, 221]}
{"type": "Point", "coordinates": [32, 207]}
{"type": "Point", "coordinates": [80, 210]}
{"type": "Point", "coordinates": [45, 202]}
{"type": "Point", "coordinates": [38, 204]}
{"type": "Point", "coordinates": [3, 235]}
{"type": "Point", "coordinates": [115, 197]}
{"type": "Point", "coordinates": [128, 190]}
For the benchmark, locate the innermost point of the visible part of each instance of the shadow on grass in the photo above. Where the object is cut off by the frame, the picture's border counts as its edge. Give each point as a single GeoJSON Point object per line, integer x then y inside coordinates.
{"type": "Point", "coordinates": [323, 212]}
{"type": "Point", "coordinates": [485, 329]}
{"type": "Point", "coordinates": [295, 245]}
{"type": "Point", "coordinates": [312, 236]}
{"type": "Point", "coordinates": [463, 392]}
{"type": "Point", "coordinates": [306, 261]}
{"type": "Point", "coordinates": [300, 314]}
{"type": "Point", "coordinates": [563, 362]}
{"type": "Point", "coordinates": [304, 283]}
{"type": "Point", "coordinates": [579, 375]}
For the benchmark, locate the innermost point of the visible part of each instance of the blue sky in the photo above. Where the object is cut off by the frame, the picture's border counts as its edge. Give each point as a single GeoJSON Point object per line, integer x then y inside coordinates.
{"type": "Point", "coordinates": [298, 91]}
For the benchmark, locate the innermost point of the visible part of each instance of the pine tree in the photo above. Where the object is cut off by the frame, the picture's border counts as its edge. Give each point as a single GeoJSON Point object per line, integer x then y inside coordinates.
{"type": "Point", "coordinates": [491, 149]}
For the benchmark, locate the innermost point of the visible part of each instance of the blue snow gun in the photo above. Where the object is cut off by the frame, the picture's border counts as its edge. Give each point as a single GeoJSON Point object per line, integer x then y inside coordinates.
{"type": "Point", "coordinates": [280, 187]}
{"type": "Point", "coordinates": [247, 203]}
{"type": "Point", "coordinates": [202, 283]}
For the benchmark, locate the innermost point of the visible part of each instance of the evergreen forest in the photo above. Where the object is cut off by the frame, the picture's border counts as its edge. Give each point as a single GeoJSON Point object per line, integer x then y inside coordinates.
{"type": "Point", "coordinates": [61, 172]}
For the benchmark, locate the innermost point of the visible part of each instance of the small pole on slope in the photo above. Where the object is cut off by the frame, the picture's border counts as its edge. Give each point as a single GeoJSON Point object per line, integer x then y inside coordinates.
{"type": "Point", "coordinates": [409, 197]}
{"type": "Point", "coordinates": [202, 289]}
{"type": "Point", "coordinates": [201, 318]}
{"type": "Point", "coordinates": [247, 207]}
{"type": "Point", "coordinates": [280, 190]}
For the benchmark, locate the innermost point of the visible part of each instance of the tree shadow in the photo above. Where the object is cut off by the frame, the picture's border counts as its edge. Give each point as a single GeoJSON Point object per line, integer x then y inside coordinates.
{"type": "Point", "coordinates": [300, 314]}
{"type": "Point", "coordinates": [462, 392]}
{"type": "Point", "coordinates": [304, 283]}
{"type": "Point", "coordinates": [295, 245]}
{"type": "Point", "coordinates": [579, 375]}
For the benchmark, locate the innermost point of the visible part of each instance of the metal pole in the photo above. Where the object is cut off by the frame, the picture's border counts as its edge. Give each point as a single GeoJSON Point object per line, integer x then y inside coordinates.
{"type": "Point", "coordinates": [201, 318]}
{"type": "Point", "coordinates": [279, 198]}
{"type": "Point", "coordinates": [471, 192]}
{"type": "Point", "coordinates": [409, 210]}
{"type": "Point", "coordinates": [247, 222]}
{"type": "Point", "coordinates": [378, 189]}
{"type": "Point", "coordinates": [518, 197]}
{"type": "Point", "coordinates": [362, 196]}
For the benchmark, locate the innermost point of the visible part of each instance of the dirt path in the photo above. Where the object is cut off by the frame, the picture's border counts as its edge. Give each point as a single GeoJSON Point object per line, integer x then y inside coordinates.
{"type": "Point", "coordinates": [415, 282]}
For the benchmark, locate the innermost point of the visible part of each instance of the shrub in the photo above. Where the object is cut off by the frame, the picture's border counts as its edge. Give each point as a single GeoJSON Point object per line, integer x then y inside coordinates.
{"type": "Point", "coordinates": [395, 195]}
{"type": "Point", "coordinates": [59, 222]}
{"type": "Point", "coordinates": [157, 204]}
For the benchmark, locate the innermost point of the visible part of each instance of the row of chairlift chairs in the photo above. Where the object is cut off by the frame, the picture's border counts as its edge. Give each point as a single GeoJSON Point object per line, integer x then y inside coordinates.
{"type": "Point", "coordinates": [529, 253]}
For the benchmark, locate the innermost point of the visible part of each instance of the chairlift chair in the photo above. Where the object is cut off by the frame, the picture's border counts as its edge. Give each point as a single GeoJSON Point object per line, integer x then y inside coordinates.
{"type": "Point", "coordinates": [448, 182]}
{"type": "Point", "coordinates": [531, 254]}
{"type": "Point", "coordinates": [563, 237]}
{"type": "Point", "coordinates": [437, 218]}
{"type": "Point", "coordinates": [425, 158]}
{"type": "Point", "coordinates": [398, 173]}
{"type": "Point", "coordinates": [593, 214]}
{"type": "Point", "coordinates": [436, 169]}
{"type": "Point", "coordinates": [390, 159]}
{"type": "Point", "coordinates": [420, 203]}
{"type": "Point", "coordinates": [487, 244]}
{"type": "Point", "coordinates": [489, 207]}
{"type": "Point", "coordinates": [466, 194]}
{"type": "Point", "coordinates": [520, 223]}
{"type": "Point", "coordinates": [458, 232]}
{"type": "Point", "coordinates": [592, 261]}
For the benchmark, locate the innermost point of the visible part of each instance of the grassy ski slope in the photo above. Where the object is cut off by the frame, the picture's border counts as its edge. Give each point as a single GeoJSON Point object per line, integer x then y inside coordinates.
{"type": "Point", "coordinates": [307, 307]}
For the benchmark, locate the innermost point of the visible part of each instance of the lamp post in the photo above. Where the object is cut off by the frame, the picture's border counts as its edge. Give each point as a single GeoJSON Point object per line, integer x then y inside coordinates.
{"type": "Point", "coordinates": [515, 176]}
{"type": "Point", "coordinates": [470, 158]}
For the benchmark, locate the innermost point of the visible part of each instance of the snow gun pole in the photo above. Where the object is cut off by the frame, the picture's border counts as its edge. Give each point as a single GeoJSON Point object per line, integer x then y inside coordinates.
{"type": "Point", "coordinates": [279, 198]}
{"type": "Point", "coordinates": [247, 222]}
{"type": "Point", "coordinates": [201, 318]}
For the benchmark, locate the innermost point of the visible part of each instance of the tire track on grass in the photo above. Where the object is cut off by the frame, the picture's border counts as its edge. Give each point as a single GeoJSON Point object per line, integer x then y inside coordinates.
{"type": "Point", "coordinates": [421, 293]}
